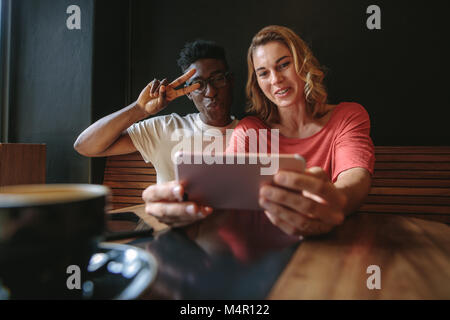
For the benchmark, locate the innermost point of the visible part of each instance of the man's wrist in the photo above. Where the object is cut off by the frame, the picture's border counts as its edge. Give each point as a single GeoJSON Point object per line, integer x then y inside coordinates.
{"type": "Point", "coordinates": [139, 112]}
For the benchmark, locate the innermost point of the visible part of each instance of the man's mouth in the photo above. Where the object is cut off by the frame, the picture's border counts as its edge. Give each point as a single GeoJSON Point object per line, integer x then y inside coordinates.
{"type": "Point", "coordinates": [212, 105]}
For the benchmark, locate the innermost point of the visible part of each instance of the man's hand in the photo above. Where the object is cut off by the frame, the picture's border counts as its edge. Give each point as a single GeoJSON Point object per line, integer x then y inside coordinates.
{"type": "Point", "coordinates": [157, 94]}
{"type": "Point", "coordinates": [165, 202]}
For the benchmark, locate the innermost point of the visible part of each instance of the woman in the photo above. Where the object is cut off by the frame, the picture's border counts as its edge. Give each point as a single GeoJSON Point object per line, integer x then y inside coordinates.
{"type": "Point", "coordinates": [285, 92]}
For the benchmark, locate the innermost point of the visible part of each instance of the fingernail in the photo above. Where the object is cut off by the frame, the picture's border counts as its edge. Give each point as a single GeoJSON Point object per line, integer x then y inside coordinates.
{"type": "Point", "coordinates": [190, 209]}
{"type": "Point", "coordinates": [177, 193]}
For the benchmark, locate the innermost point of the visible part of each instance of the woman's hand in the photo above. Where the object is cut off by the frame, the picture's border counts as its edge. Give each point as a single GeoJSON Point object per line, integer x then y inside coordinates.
{"type": "Point", "coordinates": [157, 94]}
{"type": "Point", "coordinates": [303, 203]}
{"type": "Point", "coordinates": [165, 202]}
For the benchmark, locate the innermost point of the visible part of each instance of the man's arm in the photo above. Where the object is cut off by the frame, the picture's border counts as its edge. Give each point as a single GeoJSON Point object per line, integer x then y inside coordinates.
{"type": "Point", "coordinates": [108, 135]}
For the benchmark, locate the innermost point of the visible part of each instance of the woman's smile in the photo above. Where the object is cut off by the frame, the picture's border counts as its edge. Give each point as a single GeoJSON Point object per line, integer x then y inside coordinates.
{"type": "Point", "coordinates": [283, 92]}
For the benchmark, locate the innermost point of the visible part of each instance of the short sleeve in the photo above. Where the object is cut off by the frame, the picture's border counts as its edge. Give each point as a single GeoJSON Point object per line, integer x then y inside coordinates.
{"type": "Point", "coordinates": [353, 146]}
{"type": "Point", "coordinates": [146, 137]}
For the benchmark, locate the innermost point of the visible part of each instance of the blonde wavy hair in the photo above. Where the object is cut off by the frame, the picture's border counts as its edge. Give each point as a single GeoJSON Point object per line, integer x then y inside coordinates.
{"type": "Point", "coordinates": [306, 66]}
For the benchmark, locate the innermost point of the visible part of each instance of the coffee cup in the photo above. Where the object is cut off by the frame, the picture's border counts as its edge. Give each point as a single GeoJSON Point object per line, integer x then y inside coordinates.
{"type": "Point", "coordinates": [47, 232]}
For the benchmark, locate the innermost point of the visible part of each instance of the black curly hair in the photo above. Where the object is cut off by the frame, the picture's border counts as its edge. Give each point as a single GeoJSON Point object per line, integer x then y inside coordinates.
{"type": "Point", "coordinates": [200, 49]}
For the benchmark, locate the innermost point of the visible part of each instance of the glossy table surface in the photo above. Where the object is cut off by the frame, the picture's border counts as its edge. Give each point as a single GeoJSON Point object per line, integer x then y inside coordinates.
{"type": "Point", "coordinates": [241, 255]}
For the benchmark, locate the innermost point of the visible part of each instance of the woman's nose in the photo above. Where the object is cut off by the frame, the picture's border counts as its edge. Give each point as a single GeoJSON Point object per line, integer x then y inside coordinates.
{"type": "Point", "coordinates": [276, 77]}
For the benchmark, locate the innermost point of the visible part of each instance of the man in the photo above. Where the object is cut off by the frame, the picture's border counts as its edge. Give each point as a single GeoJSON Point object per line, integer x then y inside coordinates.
{"type": "Point", "coordinates": [209, 86]}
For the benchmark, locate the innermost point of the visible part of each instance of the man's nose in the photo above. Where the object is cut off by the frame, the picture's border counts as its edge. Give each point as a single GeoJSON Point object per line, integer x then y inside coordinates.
{"type": "Point", "coordinates": [210, 91]}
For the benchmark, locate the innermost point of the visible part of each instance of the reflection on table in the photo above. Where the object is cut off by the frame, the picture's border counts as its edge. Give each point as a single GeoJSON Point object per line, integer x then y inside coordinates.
{"type": "Point", "coordinates": [229, 255]}
{"type": "Point", "coordinates": [241, 255]}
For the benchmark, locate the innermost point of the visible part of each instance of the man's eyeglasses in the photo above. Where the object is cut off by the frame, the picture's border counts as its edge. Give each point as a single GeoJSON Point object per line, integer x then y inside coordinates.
{"type": "Point", "coordinates": [217, 81]}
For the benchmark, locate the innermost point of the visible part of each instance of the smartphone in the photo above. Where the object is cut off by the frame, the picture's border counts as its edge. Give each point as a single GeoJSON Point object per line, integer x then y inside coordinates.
{"type": "Point", "coordinates": [231, 181]}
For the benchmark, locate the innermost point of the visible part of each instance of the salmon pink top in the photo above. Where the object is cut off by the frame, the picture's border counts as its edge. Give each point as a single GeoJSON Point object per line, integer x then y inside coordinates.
{"type": "Point", "coordinates": [343, 143]}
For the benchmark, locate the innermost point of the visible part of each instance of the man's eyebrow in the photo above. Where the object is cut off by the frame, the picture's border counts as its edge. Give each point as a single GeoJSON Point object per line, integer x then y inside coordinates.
{"type": "Point", "coordinates": [278, 60]}
{"type": "Point", "coordinates": [216, 72]}
{"type": "Point", "coordinates": [210, 75]}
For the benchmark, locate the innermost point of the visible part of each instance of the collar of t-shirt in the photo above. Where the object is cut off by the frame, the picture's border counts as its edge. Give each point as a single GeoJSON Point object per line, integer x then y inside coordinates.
{"type": "Point", "coordinates": [212, 130]}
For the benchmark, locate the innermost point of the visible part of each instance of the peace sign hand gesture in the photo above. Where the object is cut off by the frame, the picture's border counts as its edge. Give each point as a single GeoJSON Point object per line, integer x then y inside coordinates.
{"type": "Point", "coordinates": [157, 94]}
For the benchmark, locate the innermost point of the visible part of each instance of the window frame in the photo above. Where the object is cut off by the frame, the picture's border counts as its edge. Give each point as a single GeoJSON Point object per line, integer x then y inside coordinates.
{"type": "Point", "coordinates": [5, 67]}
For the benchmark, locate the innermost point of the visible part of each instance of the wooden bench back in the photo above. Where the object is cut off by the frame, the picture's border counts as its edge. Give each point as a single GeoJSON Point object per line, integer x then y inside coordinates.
{"type": "Point", "coordinates": [413, 181]}
{"type": "Point", "coordinates": [127, 176]}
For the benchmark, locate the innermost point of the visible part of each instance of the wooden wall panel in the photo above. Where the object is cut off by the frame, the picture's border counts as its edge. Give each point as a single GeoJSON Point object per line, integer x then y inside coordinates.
{"type": "Point", "coordinates": [22, 163]}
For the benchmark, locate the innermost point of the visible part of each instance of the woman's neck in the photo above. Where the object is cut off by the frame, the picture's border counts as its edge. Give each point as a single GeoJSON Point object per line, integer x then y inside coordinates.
{"type": "Point", "coordinates": [294, 120]}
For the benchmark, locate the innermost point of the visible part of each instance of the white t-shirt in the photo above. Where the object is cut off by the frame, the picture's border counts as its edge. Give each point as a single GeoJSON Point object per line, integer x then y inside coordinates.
{"type": "Point", "coordinates": [159, 138]}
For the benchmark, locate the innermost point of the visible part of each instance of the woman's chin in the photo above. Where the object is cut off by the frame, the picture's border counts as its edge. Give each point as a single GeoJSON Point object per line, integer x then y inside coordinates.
{"type": "Point", "coordinates": [284, 104]}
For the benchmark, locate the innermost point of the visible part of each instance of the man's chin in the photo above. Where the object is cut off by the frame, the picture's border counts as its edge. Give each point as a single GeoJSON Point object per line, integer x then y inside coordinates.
{"type": "Point", "coordinates": [219, 116]}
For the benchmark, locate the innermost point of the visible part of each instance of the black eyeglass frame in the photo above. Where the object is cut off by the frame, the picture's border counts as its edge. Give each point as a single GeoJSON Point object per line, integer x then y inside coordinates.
{"type": "Point", "coordinates": [209, 81]}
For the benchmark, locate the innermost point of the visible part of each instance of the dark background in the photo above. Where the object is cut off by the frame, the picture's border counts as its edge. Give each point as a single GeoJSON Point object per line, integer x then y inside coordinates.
{"type": "Point", "coordinates": [62, 80]}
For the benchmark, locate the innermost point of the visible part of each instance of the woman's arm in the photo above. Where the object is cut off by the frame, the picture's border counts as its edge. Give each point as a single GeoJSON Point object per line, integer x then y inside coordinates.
{"type": "Point", "coordinates": [355, 184]}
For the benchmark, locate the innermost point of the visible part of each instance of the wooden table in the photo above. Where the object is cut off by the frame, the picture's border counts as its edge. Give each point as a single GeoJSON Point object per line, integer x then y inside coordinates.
{"type": "Point", "coordinates": [413, 256]}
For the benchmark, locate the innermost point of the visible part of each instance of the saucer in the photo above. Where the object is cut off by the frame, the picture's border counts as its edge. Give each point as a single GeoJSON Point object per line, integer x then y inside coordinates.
{"type": "Point", "coordinates": [118, 272]}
